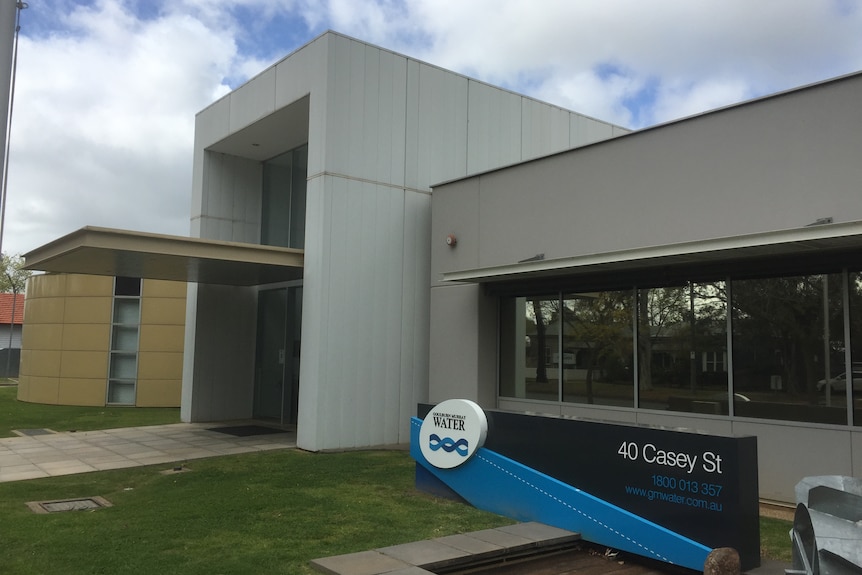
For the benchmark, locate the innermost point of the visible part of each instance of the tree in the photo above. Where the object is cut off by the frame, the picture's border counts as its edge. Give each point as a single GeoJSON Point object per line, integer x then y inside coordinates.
{"type": "Point", "coordinates": [13, 278]}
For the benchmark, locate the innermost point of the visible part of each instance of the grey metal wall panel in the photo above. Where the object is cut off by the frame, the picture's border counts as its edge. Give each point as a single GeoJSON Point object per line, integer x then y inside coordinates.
{"type": "Point", "coordinates": [218, 362]}
{"type": "Point", "coordinates": [771, 165]}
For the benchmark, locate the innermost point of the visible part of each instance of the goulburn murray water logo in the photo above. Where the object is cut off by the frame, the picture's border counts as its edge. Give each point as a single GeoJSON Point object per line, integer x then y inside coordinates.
{"type": "Point", "coordinates": [452, 432]}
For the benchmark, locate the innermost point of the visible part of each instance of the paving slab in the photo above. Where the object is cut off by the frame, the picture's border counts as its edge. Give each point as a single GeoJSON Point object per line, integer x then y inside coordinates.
{"type": "Point", "coordinates": [31, 457]}
{"type": "Point", "coordinates": [538, 532]}
{"type": "Point", "coordinates": [362, 563]}
{"type": "Point", "coordinates": [502, 538]}
{"type": "Point", "coordinates": [421, 557]}
{"type": "Point", "coordinates": [469, 544]}
{"type": "Point", "coordinates": [429, 554]}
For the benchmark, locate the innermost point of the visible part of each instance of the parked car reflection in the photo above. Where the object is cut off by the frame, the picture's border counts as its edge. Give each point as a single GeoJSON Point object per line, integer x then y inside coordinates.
{"type": "Point", "coordinates": [839, 382]}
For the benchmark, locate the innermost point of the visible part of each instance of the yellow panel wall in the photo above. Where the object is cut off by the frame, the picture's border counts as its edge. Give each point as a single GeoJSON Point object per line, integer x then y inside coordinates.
{"type": "Point", "coordinates": [160, 348]}
{"type": "Point", "coordinates": [67, 338]}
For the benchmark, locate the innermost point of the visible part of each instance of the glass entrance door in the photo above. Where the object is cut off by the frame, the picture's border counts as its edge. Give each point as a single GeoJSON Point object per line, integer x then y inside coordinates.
{"type": "Point", "coordinates": [279, 315]}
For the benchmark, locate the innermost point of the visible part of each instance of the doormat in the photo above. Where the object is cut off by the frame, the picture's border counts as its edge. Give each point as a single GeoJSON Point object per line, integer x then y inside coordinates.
{"type": "Point", "coordinates": [247, 430]}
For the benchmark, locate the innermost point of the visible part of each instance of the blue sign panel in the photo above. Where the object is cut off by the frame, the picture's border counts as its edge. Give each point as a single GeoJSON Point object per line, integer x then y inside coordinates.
{"type": "Point", "coordinates": [689, 492]}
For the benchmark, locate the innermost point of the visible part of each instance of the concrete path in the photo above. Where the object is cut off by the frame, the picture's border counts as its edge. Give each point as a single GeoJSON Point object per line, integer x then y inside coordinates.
{"type": "Point", "coordinates": [52, 454]}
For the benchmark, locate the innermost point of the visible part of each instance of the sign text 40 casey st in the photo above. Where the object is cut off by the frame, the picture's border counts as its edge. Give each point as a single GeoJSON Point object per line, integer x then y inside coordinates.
{"type": "Point", "coordinates": [707, 461]}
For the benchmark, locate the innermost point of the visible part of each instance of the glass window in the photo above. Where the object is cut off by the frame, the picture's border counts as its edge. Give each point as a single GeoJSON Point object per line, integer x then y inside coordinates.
{"type": "Point", "coordinates": [121, 393]}
{"type": "Point", "coordinates": [597, 348]}
{"type": "Point", "coordinates": [127, 286]}
{"type": "Point", "coordinates": [284, 199]}
{"type": "Point", "coordinates": [788, 348]}
{"type": "Point", "coordinates": [125, 338]}
{"type": "Point", "coordinates": [529, 370]}
{"type": "Point", "coordinates": [682, 348]}
{"type": "Point", "coordinates": [127, 311]}
{"type": "Point", "coordinates": [123, 368]}
{"type": "Point", "coordinates": [789, 354]}
{"type": "Point", "coordinates": [855, 315]}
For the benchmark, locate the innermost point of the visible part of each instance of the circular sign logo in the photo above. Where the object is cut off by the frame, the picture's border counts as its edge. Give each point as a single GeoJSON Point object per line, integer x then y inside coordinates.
{"type": "Point", "coordinates": [452, 432]}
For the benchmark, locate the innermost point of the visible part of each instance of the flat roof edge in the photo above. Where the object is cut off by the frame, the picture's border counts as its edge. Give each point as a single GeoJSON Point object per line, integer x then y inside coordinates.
{"type": "Point", "coordinates": [807, 239]}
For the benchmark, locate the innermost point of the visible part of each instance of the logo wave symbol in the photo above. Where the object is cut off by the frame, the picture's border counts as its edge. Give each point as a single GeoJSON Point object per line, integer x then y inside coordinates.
{"type": "Point", "coordinates": [448, 444]}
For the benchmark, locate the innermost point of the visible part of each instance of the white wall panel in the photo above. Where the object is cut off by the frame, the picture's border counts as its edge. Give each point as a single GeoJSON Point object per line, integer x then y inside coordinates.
{"type": "Point", "coordinates": [312, 364]}
{"type": "Point", "coordinates": [372, 312]}
{"type": "Point", "coordinates": [301, 73]}
{"type": "Point", "coordinates": [414, 316]}
{"type": "Point", "coordinates": [212, 123]}
{"type": "Point", "coordinates": [494, 129]}
{"type": "Point", "coordinates": [392, 104]}
{"type": "Point", "coordinates": [545, 129]}
{"type": "Point", "coordinates": [586, 130]}
{"type": "Point", "coordinates": [231, 207]}
{"type": "Point", "coordinates": [305, 73]}
{"type": "Point", "coordinates": [412, 127]}
{"type": "Point", "coordinates": [253, 100]}
{"type": "Point", "coordinates": [787, 453]}
{"type": "Point", "coordinates": [441, 139]}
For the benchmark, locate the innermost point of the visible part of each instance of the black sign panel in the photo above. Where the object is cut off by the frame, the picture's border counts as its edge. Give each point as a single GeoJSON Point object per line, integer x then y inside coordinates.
{"type": "Point", "coordinates": [704, 487]}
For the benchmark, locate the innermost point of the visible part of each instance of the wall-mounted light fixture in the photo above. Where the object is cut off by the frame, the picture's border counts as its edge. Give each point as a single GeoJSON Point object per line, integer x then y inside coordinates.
{"type": "Point", "coordinates": [451, 240]}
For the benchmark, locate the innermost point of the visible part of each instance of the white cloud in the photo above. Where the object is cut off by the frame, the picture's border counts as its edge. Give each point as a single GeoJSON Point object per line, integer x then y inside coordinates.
{"type": "Point", "coordinates": [104, 122]}
{"type": "Point", "coordinates": [108, 89]}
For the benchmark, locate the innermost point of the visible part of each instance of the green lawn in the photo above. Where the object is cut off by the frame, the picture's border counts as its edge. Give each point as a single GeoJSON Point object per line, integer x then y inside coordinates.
{"type": "Point", "coordinates": [270, 512]}
{"type": "Point", "coordinates": [16, 414]}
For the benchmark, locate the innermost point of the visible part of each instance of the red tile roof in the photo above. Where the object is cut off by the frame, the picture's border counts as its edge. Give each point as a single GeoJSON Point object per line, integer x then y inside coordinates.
{"type": "Point", "coordinates": [6, 308]}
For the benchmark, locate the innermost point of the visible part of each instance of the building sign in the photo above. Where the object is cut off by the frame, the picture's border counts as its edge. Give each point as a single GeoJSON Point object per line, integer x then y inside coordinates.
{"type": "Point", "coordinates": [452, 432]}
{"type": "Point", "coordinates": [701, 487]}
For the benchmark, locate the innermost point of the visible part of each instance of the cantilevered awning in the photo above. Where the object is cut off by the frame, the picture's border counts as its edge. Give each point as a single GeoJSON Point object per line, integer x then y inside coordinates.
{"type": "Point", "coordinates": [827, 245]}
{"type": "Point", "coordinates": [104, 251]}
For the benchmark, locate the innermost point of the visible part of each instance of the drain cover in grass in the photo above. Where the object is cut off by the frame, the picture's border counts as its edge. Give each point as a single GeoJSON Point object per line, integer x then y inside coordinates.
{"type": "Point", "coordinates": [246, 430]}
{"type": "Point", "coordinates": [58, 505]}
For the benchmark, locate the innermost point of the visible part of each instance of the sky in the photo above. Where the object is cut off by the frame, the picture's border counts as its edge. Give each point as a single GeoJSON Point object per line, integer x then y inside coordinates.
{"type": "Point", "coordinates": [106, 91]}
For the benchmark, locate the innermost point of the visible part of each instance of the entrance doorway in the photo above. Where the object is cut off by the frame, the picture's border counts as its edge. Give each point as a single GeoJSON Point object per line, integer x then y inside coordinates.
{"type": "Point", "coordinates": [276, 386]}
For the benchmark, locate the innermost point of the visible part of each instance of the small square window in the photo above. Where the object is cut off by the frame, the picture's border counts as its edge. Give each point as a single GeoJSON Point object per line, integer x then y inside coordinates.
{"type": "Point", "coordinates": [127, 286]}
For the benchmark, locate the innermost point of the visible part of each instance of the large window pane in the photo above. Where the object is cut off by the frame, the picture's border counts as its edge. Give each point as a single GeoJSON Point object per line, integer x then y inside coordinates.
{"type": "Point", "coordinates": [682, 348]}
{"type": "Point", "coordinates": [122, 393]}
{"type": "Point", "coordinates": [125, 338]}
{"type": "Point", "coordinates": [596, 354]}
{"type": "Point", "coordinates": [788, 342]}
{"type": "Point", "coordinates": [530, 340]}
{"type": "Point", "coordinates": [127, 311]}
{"type": "Point", "coordinates": [855, 312]}
{"type": "Point", "coordinates": [283, 199]}
{"type": "Point", "coordinates": [124, 366]}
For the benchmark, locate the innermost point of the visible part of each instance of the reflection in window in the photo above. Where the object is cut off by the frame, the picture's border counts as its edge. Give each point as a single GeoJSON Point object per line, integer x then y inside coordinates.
{"type": "Point", "coordinates": [788, 348]}
{"type": "Point", "coordinates": [790, 356]}
{"type": "Point", "coordinates": [682, 348]}
{"type": "Point", "coordinates": [597, 348]}
{"type": "Point", "coordinates": [284, 199]}
{"type": "Point", "coordinates": [530, 370]}
{"type": "Point", "coordinates": [855, 314]}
